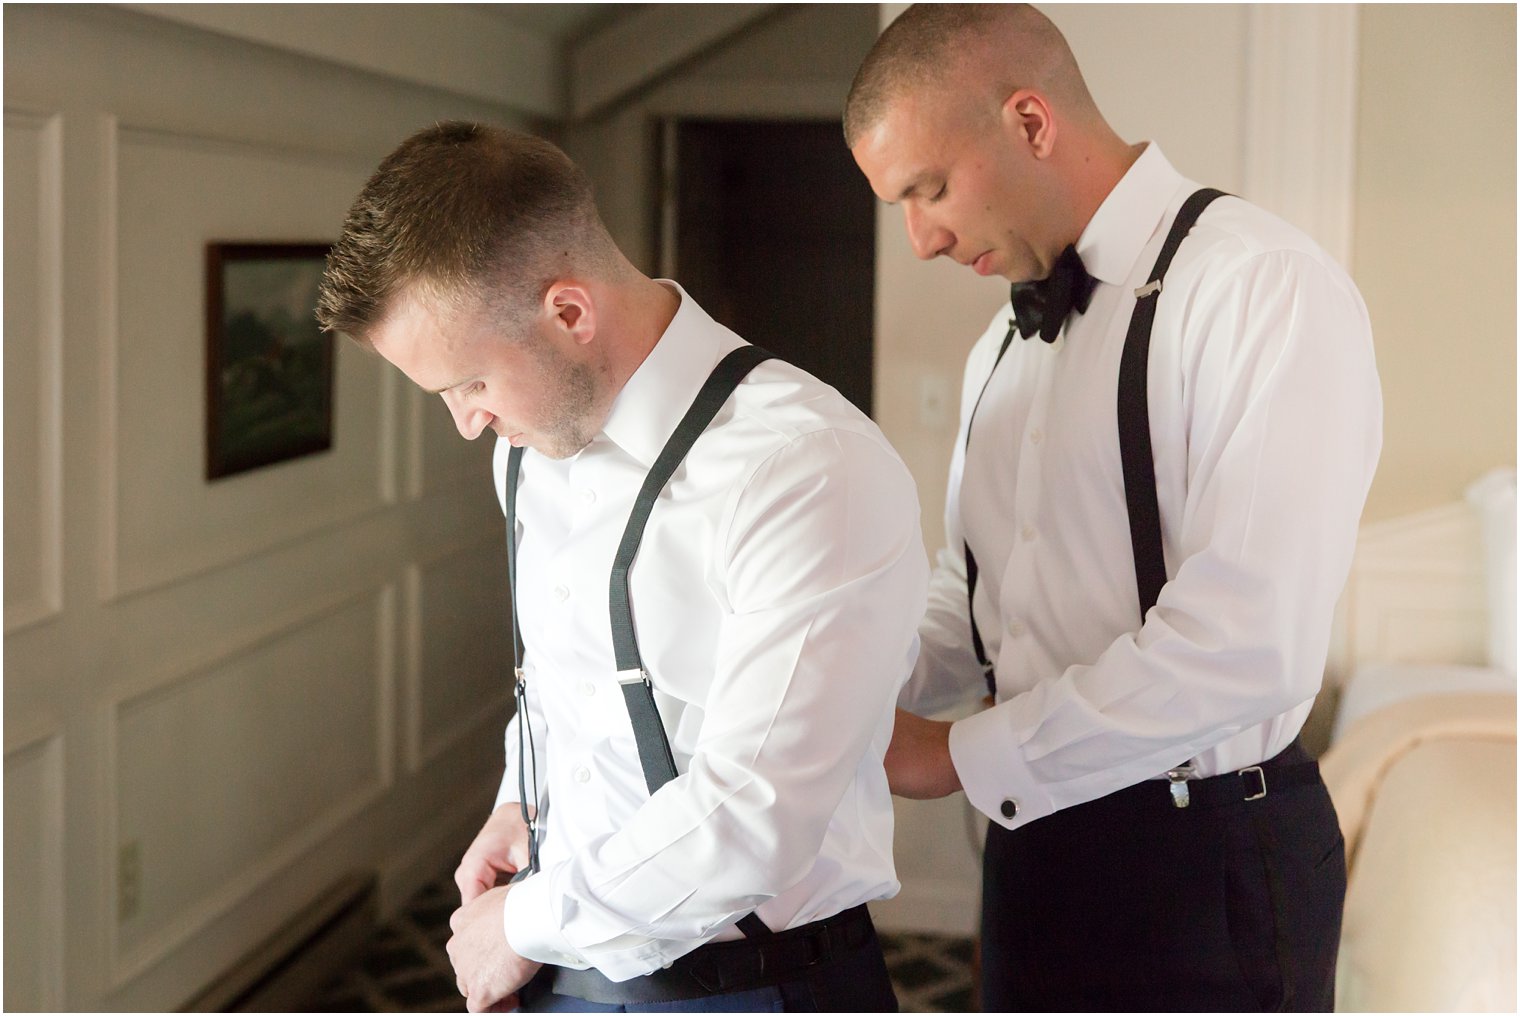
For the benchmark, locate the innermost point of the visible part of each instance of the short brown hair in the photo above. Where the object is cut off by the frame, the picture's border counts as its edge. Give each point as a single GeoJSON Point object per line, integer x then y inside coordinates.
{"type": "Point", "coordinates": [923, 48]}
{"type": "Point", "coordinates": [465, 211]}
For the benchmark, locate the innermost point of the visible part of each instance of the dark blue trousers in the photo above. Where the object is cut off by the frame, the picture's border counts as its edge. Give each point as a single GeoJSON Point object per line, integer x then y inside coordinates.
{"type": "Point", "coordinates": [854, 982]}
{"type": "Point", "coordinates": [1128, 904]}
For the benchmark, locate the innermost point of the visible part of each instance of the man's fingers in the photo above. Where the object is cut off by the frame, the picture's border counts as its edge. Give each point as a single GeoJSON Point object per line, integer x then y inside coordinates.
{"type": "Point", "coordinates": [474, 877]}
{"type": "Point", "coordinates": [517, 856]}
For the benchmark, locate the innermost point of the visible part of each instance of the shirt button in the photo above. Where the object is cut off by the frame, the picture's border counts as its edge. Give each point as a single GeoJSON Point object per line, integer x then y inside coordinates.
{"type": "Point", "coordinates": [582, 774]}
{"type": "Point", "coordinates": [588, 495]}
{"type": "Point", "coordinates": [561, 593]}
{"type": "Point", "coordinates": [1036, 435]}
{"type": "Point", "coordinates": [588, 689]}
{"type": "Point", "coordinates": [1027, 533]}
{"type": "Point", "coordinates": [1010, 808]}
{"type": "Point", "coordinates": [1015, 629]}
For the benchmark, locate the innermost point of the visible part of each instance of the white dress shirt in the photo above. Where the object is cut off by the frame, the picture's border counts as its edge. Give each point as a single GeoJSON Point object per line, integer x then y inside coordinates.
{"type": "Point", "coordinates": [776, 596]}
{"type": "Point", "coordinates": [1265, 422]}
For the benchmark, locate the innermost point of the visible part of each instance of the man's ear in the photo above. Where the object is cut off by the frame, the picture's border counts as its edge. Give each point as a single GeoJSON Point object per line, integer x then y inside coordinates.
{"type": "Point", "coordinates": [1027, 117]}
{"type": "Point", "coordinates": [569, 306]}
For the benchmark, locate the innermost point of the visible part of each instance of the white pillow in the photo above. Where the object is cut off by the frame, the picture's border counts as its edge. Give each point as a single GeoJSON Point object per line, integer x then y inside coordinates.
{"type": "Point", "coordinates": [1493, 498]}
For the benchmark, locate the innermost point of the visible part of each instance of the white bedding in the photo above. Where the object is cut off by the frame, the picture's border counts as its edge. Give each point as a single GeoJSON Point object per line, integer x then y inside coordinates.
{"type": "Point", "coordinates": [1425, 788]}
{"type": "Point", "coordinates": [1382, 684]}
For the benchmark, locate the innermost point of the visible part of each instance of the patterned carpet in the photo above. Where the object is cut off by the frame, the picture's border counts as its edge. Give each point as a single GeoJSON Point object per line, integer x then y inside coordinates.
{"type": "Point", "coordinates": [405, 968]}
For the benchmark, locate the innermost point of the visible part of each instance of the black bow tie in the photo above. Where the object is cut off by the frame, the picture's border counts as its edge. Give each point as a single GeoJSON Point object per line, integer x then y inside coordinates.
{"type": "Point", "coordinates": [1043, 306]}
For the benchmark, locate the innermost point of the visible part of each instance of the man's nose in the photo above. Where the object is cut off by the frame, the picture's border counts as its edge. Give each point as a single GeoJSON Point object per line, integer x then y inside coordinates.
{"type": "Point", "coordinates": [470, 421]}
{"type": "Point", "coordinates": [927, 239]}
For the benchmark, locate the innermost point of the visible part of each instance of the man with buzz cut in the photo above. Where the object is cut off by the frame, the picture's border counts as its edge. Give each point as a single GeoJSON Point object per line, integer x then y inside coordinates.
{"type": "Point", "coordinates": [1167, 435]}
{"type": "Point", "coordinates": [717, 575]}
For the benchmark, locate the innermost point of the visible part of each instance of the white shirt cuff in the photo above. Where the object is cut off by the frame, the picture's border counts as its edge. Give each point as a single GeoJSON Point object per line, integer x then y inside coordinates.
{"type": "Point", "coordinates": [990, 763]}
{"type": "Point", "coordinates": [533, 928]}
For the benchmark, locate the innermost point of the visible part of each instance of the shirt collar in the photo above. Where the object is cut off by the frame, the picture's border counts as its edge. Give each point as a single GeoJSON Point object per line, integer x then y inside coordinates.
{"type": "Point", "coordinates": [656, 397]}
{"type": "Point", "coordinates": [1127, 219]}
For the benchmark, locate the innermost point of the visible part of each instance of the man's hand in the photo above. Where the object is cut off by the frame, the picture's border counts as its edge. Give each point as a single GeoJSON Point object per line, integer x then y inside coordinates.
{"type": "Point", "coordinates": [487, 970]}
{"type": "Point", "coordinates": [500, 848]}
{"type": "Point", "coordinates": [918, 759]}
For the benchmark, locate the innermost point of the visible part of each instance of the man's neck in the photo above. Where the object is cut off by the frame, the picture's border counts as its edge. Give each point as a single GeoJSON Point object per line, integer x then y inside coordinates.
{"type": "Point", "coordinates": [1103, 165]}
{"type": "Point", "coordinates": [637, 312]}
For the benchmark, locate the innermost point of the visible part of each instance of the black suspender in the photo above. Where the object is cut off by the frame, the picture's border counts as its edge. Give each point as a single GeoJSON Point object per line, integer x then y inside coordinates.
{"type": "Point", "coordinates": [977, 646]}
{"type": "Point", "coordinates": [638, 692]}
{"type": "Point", "coordinates": [1134, 434]}
{"type": "Point", "coordinates": [1134, 415]}
{"type": "Point", "coordinates": [525, 749]}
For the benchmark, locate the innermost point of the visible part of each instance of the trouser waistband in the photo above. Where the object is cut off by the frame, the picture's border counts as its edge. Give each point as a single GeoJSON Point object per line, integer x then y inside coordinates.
{"type": "Point", "coordinates": [1291, 767]}
{"type": "Point", "coordinates": [722, 967]}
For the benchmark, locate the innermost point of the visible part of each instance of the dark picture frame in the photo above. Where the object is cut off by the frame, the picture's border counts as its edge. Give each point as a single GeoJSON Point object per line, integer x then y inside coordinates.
{"type": "Point", "coordinates": [269, 368]}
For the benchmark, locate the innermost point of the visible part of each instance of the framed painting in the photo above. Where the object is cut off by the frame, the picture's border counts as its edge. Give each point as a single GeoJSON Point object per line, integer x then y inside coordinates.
{"type": "Point", "coordinates": [269, 368]}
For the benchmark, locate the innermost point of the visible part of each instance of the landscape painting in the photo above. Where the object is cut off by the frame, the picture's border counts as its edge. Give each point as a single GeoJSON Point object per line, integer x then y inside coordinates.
{"type": "Point", "coordinates": [269, 369]}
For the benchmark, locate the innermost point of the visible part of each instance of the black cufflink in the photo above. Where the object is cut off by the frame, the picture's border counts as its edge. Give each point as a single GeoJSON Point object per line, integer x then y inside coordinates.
{"type": "Point", "coordinates": [1010, 808]}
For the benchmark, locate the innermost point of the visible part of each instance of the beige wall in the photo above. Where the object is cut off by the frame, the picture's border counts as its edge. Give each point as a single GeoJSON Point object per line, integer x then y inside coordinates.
{"type": "Point", "coordinates": [1434, 236]}
{"type": "Point", "coordinates": [219, 697]}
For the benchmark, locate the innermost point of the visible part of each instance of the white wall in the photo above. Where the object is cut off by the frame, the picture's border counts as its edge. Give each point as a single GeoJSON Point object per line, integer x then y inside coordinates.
{"type": "Point", "coordinates": [259, 684]}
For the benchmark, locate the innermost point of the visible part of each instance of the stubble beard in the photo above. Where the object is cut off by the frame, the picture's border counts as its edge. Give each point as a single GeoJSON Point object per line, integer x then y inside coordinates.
{"type": "Point", "coordinates": [575, 399]}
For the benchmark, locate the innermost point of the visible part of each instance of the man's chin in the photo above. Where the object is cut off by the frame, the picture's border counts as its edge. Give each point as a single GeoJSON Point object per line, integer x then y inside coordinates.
{"type": "Point", "coordinates": [558, 448]}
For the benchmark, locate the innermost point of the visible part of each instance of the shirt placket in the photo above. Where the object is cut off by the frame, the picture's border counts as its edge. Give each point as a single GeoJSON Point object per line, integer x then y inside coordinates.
{"type": "Point", "coordinates": [1028, 519]}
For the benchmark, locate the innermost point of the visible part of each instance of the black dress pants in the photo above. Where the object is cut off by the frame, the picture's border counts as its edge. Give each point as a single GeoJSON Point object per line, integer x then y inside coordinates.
{"type": "Point", "coordinates": [1127, 904]}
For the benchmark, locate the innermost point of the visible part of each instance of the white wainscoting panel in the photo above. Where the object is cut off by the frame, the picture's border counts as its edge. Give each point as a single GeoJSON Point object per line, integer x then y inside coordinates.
{"type": "Point", "coordinates": [33, 352]}
{"type": "Point", "coordinates": [174, 194]}
{"type": "Point", "coordinates": [460, 679]}
{"type": "Point", "coordinates": [34, 875]}
{"type": "Point", "coordinates": [224, 775]}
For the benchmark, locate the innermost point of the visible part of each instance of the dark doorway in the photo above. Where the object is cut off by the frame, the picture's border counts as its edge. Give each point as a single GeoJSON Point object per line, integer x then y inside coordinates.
{"type": "Point", "coordinates": [772, 229]}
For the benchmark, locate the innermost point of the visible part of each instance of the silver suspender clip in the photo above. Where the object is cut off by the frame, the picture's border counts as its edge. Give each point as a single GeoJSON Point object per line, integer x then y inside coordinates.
{"type": "Point", "coordinates": [1178, 779]}
{"type": "Point", "coordinates": [1154, 286]}
{"type": "Point", "coordinates": [635, 677]}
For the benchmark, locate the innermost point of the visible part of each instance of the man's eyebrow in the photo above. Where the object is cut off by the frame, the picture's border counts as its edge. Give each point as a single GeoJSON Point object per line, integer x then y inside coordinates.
{"type": "Point", "coordinates": [456, 384]}
{"type": "Point", "coordinates": [911, 187]}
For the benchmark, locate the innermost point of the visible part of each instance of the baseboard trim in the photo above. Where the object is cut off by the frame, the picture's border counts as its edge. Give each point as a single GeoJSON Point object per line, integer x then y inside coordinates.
{"type": "Point", "coordinates": [289, 968]}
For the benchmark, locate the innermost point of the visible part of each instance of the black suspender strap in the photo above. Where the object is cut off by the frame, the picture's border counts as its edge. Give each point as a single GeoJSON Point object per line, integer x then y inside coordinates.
{"type": "Point", "coordinates": [977, 646]}
{"type": "Point", "coordinates": [1134, 435]}
{"type": "Point", "coordinates": [654, 749]}
{"type": "Point", "coordinates": [638, 692]}
{"type": "Point", "coordinates": [1134, 414]}
{"type": "Point", "coordinates": [525, 748]}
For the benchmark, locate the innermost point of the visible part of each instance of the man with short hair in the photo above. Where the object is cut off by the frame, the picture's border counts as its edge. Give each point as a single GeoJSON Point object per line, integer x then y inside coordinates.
{"type": "Point", "coordinates": [717, 574]}
{"type": "Point", "coordinates": [1166, 440]}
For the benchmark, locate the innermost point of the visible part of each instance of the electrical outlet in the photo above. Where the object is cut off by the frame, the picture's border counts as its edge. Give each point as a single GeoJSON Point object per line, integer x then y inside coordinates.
{"type": "Point", "coordinates": [129, 881]}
